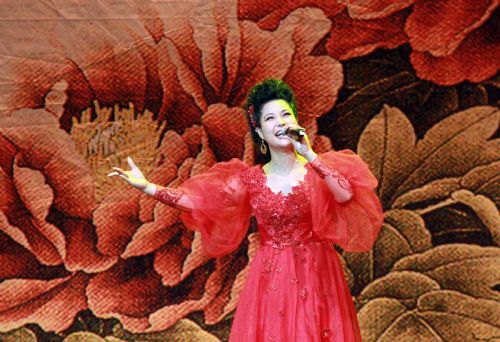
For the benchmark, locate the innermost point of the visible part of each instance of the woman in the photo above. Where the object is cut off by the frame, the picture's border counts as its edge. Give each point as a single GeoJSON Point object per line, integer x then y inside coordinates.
{"type": "Point", "coordinates": [295, 290]}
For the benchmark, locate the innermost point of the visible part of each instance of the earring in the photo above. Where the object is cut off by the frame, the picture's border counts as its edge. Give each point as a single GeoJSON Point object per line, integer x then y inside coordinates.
{"type": "Point", "coordinates": [263, 147]}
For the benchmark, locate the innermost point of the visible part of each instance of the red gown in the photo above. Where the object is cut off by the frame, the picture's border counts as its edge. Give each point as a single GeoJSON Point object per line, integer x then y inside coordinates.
{"type": "Point", "coordinates": [295, 290]}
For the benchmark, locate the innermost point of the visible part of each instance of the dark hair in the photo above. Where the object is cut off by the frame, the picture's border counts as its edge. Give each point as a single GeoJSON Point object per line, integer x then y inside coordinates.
{"type": "Point", "coordinates": [261, 93]}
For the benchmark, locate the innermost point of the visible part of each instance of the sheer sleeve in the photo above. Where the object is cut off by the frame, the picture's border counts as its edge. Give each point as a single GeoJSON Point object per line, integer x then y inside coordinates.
{"type": "Point", "coordinates": [355, 224]}
{"type": "Point", "coordinates": [221, 208]}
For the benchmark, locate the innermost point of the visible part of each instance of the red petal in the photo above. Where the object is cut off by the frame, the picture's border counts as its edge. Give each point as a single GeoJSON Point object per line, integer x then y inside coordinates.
{"type": "Point", "coordinates": [222, 122]}
{"type": "Point", "coordinates": [439, 26]}
{"type": "Point", "coordinates": [130, 287]}
{"type": "Point", "coordinates": [45, 147]}
{"type": "Point", "coordinates": [195, 258]}
{"type": "Point", "coordinates": [152, 235]}
{"type": "Point", "coordinates": [372, 9]}
{"type": "Point", "coordinates": [82, 253]}
{"type": "Point", "coordinates": [169, 261]}
{"type": "Point", "coordinates": [228, 297]}
{"type": "Point", "coordinates": [174, 96]}
{"type": "Point", "coordinates": [25, 232]}
{"type": "Point", "coordinates": [116, 220]}
{"type": "Point", "coordinates": [269, 13]}
{"type": "Point", "coordinates": [102, 49]}
{"type": "Point", "coordinates": [479, 46]}
{"type": "Point", "coordinates": [257, 64]}
{"type": "Point", "coordinates": [19, 262]}
{"type": "Point", "coordinates": [37, 196]}
{"type": "Point", "coordinates": [132, 292]}
{"type": "Point", "coordinates": [353, 38]}
{"type": "Point", "coordinates": [316, 82]}
{"type": "Point", "coordinates": [52, 304]}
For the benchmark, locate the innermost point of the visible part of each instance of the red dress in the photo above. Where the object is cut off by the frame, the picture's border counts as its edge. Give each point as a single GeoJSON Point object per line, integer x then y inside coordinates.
{"type": "Point", "coordinates": [295, 290]}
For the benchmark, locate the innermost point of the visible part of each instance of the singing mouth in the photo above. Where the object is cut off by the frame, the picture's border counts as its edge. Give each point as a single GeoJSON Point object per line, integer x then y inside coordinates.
{"type": "Point", "coordinates": [281, 132]}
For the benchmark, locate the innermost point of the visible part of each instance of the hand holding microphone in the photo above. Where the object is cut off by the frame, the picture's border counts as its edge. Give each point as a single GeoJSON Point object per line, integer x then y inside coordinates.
{"type": "Point", "coordinates": [298, 137]}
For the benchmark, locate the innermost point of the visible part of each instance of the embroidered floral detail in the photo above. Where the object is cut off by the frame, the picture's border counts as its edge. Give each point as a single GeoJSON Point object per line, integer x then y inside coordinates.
{"type": "Point", "coordinates": [324, 171]}
{"type": "Point", "coordinates": [268, 265]}
{"type": "Point", "coordinates": [280, 216]}
{"type": "Point", "coordinates": [168, 196]}
{"type": "Point", "coordinates": [303, 293]}
{"type": "Point", "coordinates": [326, 333]}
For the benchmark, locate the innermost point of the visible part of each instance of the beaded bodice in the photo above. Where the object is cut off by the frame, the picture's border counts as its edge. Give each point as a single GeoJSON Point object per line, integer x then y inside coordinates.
{"type": "Point", "coordinates": [283, 219]}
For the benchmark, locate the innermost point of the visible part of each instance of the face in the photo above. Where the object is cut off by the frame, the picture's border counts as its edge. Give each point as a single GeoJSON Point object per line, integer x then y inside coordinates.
{"type": "Point", "coordinates": [276, 114]}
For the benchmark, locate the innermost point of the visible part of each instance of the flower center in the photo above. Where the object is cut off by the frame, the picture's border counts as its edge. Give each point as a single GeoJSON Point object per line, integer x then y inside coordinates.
{"type": "Point", "coordinates": [110, 137]}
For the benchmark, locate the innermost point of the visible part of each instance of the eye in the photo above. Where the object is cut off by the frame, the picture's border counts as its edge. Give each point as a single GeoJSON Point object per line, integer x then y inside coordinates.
{"type": "Point", "coordinates": [269, 118]}
{"type": "Point", "coordinates": [287, 114]}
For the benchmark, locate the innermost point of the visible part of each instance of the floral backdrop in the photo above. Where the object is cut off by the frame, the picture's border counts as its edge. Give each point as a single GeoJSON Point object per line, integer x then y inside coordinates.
{"type": "Point", "coordinates": [411, 85]}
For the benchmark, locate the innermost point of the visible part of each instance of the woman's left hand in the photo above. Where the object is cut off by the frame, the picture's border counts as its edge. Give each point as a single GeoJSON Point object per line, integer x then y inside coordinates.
{"type": "Point", "coordinates": [302, 145]}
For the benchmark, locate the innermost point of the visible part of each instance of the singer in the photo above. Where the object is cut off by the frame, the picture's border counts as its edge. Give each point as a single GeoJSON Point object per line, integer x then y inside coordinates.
{"type": "Point", "coordinates": [303, 203]}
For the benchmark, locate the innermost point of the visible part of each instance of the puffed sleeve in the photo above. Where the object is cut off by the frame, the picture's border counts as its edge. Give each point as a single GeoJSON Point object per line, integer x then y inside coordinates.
{"type": "Point", "coordinates": [221, 208]}
{"type": "Point", "coordinates": [355, 224]}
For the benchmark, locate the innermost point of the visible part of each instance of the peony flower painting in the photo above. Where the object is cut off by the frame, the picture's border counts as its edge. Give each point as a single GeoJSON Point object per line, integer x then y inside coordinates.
{"type": "Point", "coordinates": [411, 85]}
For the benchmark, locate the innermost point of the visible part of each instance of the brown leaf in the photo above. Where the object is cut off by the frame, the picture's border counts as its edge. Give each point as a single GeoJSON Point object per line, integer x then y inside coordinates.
{"type": "Point", "coordinates": [451, 265]}
{"type": "Point", "coordinates": [387, 144]}
{"type": "Point", "coordinates": [441, 152]}
{"type": "Point", "coordinates": [484, 208]}
{"type": "Point", "coordinates": [435, 190]}
{"type": "Point", "coordinates": [84, 336]}
{"type": "Point", "coordinates": [476, 189]}
{"type": "Point", "coordinates": [404, 286]}
{"type": "Point", "coordinates": [183, 330]}
{"type": "Point", "coordinates": [403, 233]}
{"type": "Point", "coordinates": [483, 180]}
{"type": "Point", "coordinates": [21, 334]}
{"type": "Point", "coordinates": [438, 316]}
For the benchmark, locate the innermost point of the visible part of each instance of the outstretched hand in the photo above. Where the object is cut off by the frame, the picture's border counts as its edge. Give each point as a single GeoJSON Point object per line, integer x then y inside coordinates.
{"type": "Point", "coordinates": [133, 177]}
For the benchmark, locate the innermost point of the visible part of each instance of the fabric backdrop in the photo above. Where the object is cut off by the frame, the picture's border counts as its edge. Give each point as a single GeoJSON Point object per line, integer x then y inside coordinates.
{"type": "Point", "coordinates": [412, 86]}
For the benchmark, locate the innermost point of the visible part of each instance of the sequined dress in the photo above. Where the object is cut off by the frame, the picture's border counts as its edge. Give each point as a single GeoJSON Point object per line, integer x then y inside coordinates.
{"type": "Point", "coordinates": [295, 289]}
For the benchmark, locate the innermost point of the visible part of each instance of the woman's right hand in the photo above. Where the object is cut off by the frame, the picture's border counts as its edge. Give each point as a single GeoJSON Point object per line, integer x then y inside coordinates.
{"type": "Point", "coordinates": [133, 177]}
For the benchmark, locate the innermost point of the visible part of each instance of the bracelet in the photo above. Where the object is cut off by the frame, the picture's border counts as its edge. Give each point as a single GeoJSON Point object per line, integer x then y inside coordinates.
{"type": "Point", "coordinates": [324, 171]}
{"type": "Point", "coordinates": [168, 196]}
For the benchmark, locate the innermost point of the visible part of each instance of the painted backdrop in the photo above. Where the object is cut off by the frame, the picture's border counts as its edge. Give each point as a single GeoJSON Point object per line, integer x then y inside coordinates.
{"type": "Point", "coordinates": [410, 85]}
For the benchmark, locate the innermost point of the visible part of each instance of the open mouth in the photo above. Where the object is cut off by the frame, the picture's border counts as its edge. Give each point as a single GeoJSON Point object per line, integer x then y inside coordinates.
{"type": "Point", "coordinates": [281, 132]}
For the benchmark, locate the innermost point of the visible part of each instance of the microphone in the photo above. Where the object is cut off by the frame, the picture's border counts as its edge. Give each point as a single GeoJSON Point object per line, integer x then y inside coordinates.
{"type": "Point", "coordinates": [295, 131]}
